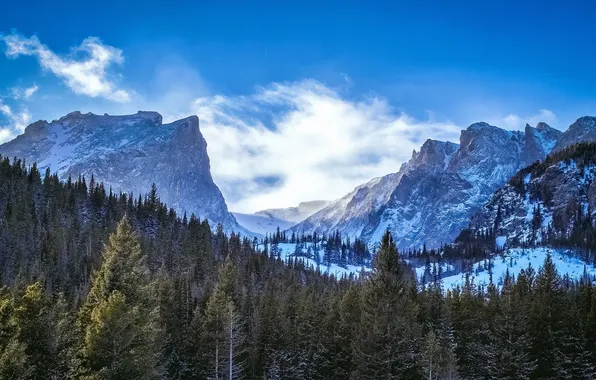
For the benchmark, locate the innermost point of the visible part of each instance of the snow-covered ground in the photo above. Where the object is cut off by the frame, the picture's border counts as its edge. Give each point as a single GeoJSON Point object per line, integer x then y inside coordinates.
{"type": "Point", "coordinates": [287, 251]}
{"type": "Point", "coordinates": [515, 260]}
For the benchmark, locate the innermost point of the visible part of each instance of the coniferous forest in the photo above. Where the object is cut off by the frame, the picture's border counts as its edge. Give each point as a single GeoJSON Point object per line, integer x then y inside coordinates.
{"type": "Point", "coordinates": [98, 285]}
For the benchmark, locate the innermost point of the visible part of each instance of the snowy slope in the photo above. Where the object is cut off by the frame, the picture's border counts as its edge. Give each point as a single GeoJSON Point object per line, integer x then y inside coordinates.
{"type": "Point", "coordinates": [514, 260]}
{"type": "Point", "coordinates": [582, 130]}
{"type": "Point", "coordinates": [287, 252]}
{"type": "Point", "coordinates": [511, 209]}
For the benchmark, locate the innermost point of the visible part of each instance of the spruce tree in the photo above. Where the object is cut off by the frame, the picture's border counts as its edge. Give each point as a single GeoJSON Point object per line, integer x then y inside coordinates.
{"type": "Point", "coordinates": [388, 345]}
{"type": "Point", "coordinates": [13, 356]}
{"type": "Point", "coordinates": [119, 319]}
{"type": "Point", "coordinates": [511, 335]}
{"type": "Point", "coordinates": [546, 322]}
{"type": "Point", "coordinates": [222, 329]}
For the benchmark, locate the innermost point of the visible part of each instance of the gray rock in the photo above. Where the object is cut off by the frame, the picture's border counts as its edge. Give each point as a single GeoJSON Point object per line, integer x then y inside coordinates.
{"type": "Point", "coordinates": [432, 197]}
{"type": "Point", "coordinates": [129, 153]}
{"type": "Point", "coordinates": [583, 130]}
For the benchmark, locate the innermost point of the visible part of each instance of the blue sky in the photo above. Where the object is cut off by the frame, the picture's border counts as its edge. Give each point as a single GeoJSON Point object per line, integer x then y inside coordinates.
{"type": "Point", "coordinates": [267, 75]}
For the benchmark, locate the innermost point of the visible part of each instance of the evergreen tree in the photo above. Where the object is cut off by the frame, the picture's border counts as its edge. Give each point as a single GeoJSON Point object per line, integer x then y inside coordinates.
{"type": "Point", "coordinates": [388, 345]}
{"type": "Point", "coordinates": [120, 316]}
{"type": "Point", "coordinates": [222, 330]}
{"type": "Point", "coordinates": [546, 318]}
{"type": "Point", "coordinates": [511, 333]}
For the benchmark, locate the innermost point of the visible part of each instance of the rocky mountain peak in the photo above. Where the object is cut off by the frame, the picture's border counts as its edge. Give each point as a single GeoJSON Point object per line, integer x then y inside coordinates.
{"type": "Point", "coordinates": [431, 198]}
{"type": "Point", "coordinates": [485, 136]}
{"type": "Point", "coordinates": [542, 126]}
{"type": "Point", "coordinates": [582, 130]}
{"type": "Point", "coordinates": [478, 126]}
{"type": "Point", "coordinates": [433, 154]}
{"type": "Point", "coordinates": [128, 153]}
{"type": "Point", "coordinates": [539, 141]}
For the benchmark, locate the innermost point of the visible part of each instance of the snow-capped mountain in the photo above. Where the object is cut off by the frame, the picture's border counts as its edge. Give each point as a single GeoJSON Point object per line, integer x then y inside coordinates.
{"type": "Point", "coordinates": [267, 221]}
{"type": "Point", "coordinates": [540, 141]}
{"type": "Point", "coordinates": [583, 130]}
{"type": "Point", "coordinates": [432, 197]}
{"type": "Point", "coordinates": [294, 214]}
{"type": "Point", "coordinates": [129, 153]}
{"type": "Point", "coordinates": [261, 224]}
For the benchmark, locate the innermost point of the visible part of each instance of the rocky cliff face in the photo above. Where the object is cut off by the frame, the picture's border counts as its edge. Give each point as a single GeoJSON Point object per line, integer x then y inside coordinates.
{"type": "Point", "coordinates": [583, 130]}
{"type": "Point", "coordinates": [129, 153]}
{"type": "Point", "coordinates": [432, 197]}
{"type": "Point", "coordinates": [545, 195]}
{"type": "Point", "coordinates": [540, 141]}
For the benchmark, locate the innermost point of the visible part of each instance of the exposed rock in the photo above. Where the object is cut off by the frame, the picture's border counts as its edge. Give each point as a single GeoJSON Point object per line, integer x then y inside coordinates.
{"type": "Point", "coordinates": [129, 153]}
{"type": "Point", "coordinates": [432, 197]}
{"type": "Point", "coordinates": [583, 130]}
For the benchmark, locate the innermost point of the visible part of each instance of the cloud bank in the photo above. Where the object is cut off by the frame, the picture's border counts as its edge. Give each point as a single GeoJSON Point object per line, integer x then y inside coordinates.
{"type": "Point", "coordinates": [292, 142]}
{"type": "Point", "coordinates": [85, 76]}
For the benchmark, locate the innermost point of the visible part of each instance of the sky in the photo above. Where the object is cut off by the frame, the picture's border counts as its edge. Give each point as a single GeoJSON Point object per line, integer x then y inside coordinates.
{"type": "Point", "coordinates": [301, 100]}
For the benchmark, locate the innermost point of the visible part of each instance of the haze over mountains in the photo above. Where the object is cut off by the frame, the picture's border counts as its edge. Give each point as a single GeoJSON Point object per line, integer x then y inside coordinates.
{"type": "Point", "coordinates": [427, 201]}
{"type": "Point", "coordinates": [267, 221]}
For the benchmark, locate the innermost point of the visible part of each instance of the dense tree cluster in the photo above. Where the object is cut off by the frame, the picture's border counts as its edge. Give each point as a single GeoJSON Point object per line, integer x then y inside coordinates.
{"type": "Point", "coordinates": [322, 248]}
{"type": "Point", "coordinates": [106, 286]}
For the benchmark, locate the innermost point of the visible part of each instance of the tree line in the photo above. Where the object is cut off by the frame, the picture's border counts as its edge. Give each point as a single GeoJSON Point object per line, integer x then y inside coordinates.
{"type": "Point", "coordinates": [99, 285]}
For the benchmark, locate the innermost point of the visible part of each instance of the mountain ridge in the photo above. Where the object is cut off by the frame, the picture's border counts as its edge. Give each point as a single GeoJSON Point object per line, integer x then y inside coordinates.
{"type": "Point", "coordinates": [130, 153]}
{"type": "Point", "coordinates": [433, 195]}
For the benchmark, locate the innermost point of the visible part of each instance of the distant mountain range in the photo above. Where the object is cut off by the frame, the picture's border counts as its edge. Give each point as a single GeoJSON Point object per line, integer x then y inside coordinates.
{"type": "Point", "coordinates": [427, 201]}
{"type": "Point", "coordinates": [267, 221]}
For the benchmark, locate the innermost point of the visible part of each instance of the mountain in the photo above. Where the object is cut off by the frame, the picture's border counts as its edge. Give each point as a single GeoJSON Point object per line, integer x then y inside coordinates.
{"type": "Point", "coordinates": [433, 195]}
{"type": "Point", "coordinates": [540, 141]}
{"type": "Point", "coordinates": [129, 153]}
{"type": "Point", "coordinates": [583, 130]}
{"type": "Point", "coordinates": [294, 214]}
{"type": "Point", "coordinates": [545, 201]}
{"type": "Point", "coordinates": [267, 221]}
{"type": "Point", "coordinates": [261, 224]}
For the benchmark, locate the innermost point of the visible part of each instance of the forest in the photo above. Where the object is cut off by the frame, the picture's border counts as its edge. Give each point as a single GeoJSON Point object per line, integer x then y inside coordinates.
{"type": "Point", "coordinates": [97, 285]}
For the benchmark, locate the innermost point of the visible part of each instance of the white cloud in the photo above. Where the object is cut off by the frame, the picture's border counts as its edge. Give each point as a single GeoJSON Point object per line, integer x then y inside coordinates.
{"type": "Point", "coordinates": [18, 122]}
{"type": "Point", "coordinates": [301, 141]}
{"type": "Point", "coordinates": [5, 135]}
{"type": "Point", "coordinates": [24, 93]}
{"type": "Point", "coordinates": [514, 121]}
{"type": "Point", "coordinates": [86, 76]}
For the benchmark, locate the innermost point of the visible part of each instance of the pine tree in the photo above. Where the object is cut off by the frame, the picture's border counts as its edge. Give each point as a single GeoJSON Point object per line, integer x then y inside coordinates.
{"type": "Point", "coordinates": [511, 334]}
{"type": "Point", "coordinates": [222, 330]}
{"type": "Point", "coordinates": [119, 318]}
{"type": "Point", "coordinates": [13, 356]}
{"type": "Point", "coordinates": [388, 345]}
{"type": "Point", "coordinates": [546, 322]}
